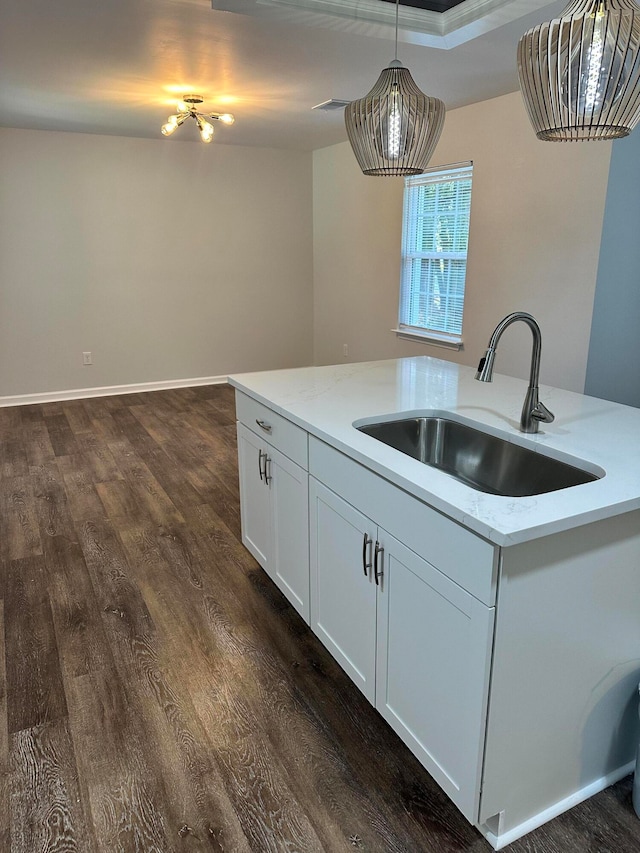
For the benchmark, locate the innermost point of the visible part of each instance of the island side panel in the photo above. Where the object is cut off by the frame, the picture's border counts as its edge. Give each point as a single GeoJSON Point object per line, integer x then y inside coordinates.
{"type": "Point", "coordinates": [563, 696]}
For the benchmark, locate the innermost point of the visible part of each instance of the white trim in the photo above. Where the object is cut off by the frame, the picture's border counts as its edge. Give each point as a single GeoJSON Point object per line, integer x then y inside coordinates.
{"type": "Point", "coordinates": [443, 30]}
{"type": "Point", "coordinates": [502, 839]}
{"type": "Point", "coordinates": [432, 338]}
{"type": "Point", "coordinates": [108, 391]}
{"type": "Point", "coordinates": [419, 248]}
{"type": "Point", "coordinates": [442, 174]}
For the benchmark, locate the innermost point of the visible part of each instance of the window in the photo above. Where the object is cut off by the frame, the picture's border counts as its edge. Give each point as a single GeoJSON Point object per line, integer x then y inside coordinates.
{"type": "Point", "coordinates": [435, 236]}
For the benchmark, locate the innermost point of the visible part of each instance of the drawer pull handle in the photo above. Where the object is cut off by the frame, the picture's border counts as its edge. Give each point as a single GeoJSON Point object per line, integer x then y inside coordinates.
{"type": "Point", "coordinates": [267, 471]}
{"type": "Point", "coordinates": [264, 425]}
{"type": "Point", "coordinates": [377, 566]}
{"type": "Point", "coordinates": [261, 472]}
{"type": "Point", "coordinates": [367, 541]}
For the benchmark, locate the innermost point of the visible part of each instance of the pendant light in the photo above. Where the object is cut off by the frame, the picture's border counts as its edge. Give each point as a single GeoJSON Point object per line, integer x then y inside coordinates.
{"type": "Point", "coordinates": [580, 73]}
{"type": "Point", "coordinates": [395, 128]}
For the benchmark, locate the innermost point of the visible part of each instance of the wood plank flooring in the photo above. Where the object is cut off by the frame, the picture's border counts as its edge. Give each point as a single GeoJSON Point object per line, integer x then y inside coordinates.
{"type": "Point", "coordinates": [158, 693]}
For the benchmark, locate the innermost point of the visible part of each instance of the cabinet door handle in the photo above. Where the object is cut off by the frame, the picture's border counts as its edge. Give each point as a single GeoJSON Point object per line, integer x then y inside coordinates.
{"type": "Point", "coordinates": [261, 472]}
{"type": "Point", "coordinates": [366, 565]}
{"type": "Point", "coordinates": [264, 425]}
{"type": "Point", "coordinates": [267, 470]}
{"type": "Point", "coordinates": [377, 567]}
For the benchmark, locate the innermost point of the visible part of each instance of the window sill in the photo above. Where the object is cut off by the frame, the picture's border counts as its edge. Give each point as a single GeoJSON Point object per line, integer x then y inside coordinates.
{"type": "Point", "coordinates": [431, 338]}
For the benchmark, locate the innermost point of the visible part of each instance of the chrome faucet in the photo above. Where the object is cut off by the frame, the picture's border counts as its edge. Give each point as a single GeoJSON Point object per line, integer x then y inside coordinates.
{"type": "Point", "coordinates": [533, 410]}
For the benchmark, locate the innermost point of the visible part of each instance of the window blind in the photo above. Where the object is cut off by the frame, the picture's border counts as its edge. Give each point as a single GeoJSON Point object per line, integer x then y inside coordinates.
{"type": "Point", "coordinates": [435, 237]}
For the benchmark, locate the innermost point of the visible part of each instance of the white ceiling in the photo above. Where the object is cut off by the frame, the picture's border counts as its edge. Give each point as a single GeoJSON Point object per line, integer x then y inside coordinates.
{"type": "Point", "coordinates": [119, 66]}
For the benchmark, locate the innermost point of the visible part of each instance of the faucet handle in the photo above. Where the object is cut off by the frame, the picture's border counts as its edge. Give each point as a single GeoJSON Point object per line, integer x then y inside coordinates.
{"type": "Point", "coordinates": [541, 413]}
{"type": "Point", "coordinates": [485, 368]}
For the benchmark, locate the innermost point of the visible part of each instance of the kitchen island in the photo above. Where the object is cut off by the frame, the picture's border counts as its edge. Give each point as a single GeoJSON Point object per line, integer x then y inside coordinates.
{"type": "Point", "coordinates": [498, 636]}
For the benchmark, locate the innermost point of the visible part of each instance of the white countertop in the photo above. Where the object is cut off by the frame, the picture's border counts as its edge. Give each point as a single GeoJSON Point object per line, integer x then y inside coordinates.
{"type": "Point", "coordinates": [326, 401]}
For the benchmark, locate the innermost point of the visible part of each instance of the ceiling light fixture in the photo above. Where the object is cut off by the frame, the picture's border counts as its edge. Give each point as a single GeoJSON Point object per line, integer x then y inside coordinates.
{"type": "Point", "coordinates": [188, 109]}
{"type": "Point", "coordinates": [395, 128]}
{"type": "Point", "coordinates": [580, 73]}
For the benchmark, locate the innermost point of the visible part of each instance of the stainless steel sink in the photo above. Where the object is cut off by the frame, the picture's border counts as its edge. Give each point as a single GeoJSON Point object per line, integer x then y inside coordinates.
{"type": "Point", "coordinates": [482, 461]}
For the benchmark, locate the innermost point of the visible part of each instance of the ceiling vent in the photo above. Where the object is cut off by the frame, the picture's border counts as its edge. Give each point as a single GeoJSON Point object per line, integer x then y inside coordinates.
{"type": "Point", "coordinates": [331, 104]}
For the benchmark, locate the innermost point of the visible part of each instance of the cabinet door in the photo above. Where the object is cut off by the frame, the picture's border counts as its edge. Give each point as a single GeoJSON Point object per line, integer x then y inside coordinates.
{"type": "Point", "coordinates": [343, 598]}
{"type": "Point", "coordinates": [255, 499]}
{"type": "Point", "coordinates": [289, 485]}
{"type": "Point", "coordinates": [434, 642]}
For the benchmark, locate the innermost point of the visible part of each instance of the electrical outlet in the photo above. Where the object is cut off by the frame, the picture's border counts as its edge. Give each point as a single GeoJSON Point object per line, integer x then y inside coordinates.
{"type": "Point", "coordinates": [345, 350]}
{"type": "Point", "coordinates": [87, 358]}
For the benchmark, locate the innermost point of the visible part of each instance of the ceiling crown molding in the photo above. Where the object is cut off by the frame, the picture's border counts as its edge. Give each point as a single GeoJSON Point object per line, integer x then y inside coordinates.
{"type": "Point", "coordinates": [445, 30]}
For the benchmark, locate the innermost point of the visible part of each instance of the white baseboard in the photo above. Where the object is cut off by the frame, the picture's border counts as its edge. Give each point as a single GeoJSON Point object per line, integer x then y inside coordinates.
{"type": "Point", "coordinates": [498, 841]}
{"type": "Point", "coordinates": [108, 391]}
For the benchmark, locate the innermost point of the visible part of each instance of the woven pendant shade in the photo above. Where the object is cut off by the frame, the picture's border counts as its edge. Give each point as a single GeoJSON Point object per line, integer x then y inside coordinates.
{"type": "Point", "coordinates": [395, 128]}
{"type": "Point", "coordinates": [580, 73]}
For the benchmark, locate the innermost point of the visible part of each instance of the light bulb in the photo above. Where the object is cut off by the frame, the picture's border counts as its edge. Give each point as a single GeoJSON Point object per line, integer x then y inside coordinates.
{"type": "Point", "coordinates": [206, 131]}
{"type": "Point", "coordinates": [169, 127]}
{"type": "Point", "coordinates": [595, 52]}
{"type": "Point", "coordinates": [394, 130]}
{"type": "Point", "coordinates": [226, 118]}
{"type": "Point", "coordinates": [596, 60]}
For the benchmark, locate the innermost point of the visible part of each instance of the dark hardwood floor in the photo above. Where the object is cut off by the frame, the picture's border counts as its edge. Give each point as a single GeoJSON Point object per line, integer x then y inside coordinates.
{"type": "Point", "coordinates": [158, 693]}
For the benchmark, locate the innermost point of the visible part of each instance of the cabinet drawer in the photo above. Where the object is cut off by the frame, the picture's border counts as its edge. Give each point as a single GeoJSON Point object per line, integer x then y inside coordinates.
{"type": "Point", "coordinates": [273, 428]}
{"type": "Point", "coordinates": [457, 552]}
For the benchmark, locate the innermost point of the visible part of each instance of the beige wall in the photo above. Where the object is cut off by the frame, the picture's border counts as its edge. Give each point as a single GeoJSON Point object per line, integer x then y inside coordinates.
{"type": "Point", "coordinates": [171, 260]}
{"type": "Point", "coordinates": [165, 259]}
{"type": "Point", "coordinates": [536, 221]}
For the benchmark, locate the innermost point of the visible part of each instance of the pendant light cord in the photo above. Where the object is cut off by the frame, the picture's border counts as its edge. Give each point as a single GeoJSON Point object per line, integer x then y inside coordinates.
{"type": "Point", "coordinates": [397, 10]}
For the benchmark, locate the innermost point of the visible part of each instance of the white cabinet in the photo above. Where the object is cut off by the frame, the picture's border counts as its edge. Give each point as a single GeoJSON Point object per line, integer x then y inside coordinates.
{"type": "Point", "coordinates": [274, 509]}
{"type": "Point", "coordinates": [432, 669]}
{"type": "Point", "coordinates": [255, 498]}
{"type": "Point", "coordinates": [381, 580]}
{"type": "Point", "coordinates": [288, 484]}
{"type": "Point", "coordinates": [415, 643]}
{"type": "Point", "coordinates": [343, 594]}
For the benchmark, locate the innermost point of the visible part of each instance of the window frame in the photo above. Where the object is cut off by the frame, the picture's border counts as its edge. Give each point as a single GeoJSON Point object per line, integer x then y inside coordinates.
{"type": "Point", "coordinates": [445, 338]}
